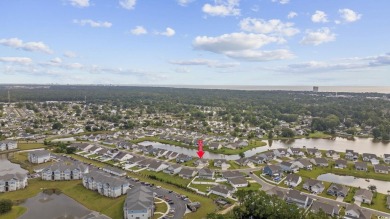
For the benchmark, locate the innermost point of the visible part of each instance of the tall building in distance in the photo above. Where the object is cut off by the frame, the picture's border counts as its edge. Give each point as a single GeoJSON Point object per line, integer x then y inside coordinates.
{"type": "Point", "coordinates": [315, 89]}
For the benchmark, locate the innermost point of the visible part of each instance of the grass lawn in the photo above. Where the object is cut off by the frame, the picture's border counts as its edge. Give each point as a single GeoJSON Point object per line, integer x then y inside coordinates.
{"type": "Point", "coordinates": [161, 207]}
{"type": "Point", "coordinates": [16, 212]}
{"type": "Point", "coordinates": [176, 180]}
{"type": "Point", "coordinates": [22, 160]}
{"type": "Point", "coordinates": [203, 180]}
{"type": "Point", "coordinates": [29, 146]}
{"type": "Point", "coordinates": [252, 187]}
{"type": "Point", "coordinates": [189, 163]}
{"type": "Point", "coordinates": [378, 203]}
{"type": "Point", "coordinates": [319, 135]}
{"type": "Point", "coordinates": [234, 165]}
{"type": "Point", "coordinates": [349, 197]}
{"type": "Point", "coordinates": [201, 187]}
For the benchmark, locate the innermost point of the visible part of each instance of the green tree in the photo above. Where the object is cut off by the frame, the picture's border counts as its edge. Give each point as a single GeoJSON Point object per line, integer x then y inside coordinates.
{"type": "Point", "coordinates": [70, 150]}
{"type": "Point", "coordinates": [241, 154]}
{"type": "Point", "coordinates": [57, 125]}
{"type": "Point", "coordinates": [5, 206]}
{"type": "Point", "coordinates": [287, 133]}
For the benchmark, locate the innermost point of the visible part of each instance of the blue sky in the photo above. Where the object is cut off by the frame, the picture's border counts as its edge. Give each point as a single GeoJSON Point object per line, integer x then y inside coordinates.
{"type": "Point", "coordinates": [194, 42]}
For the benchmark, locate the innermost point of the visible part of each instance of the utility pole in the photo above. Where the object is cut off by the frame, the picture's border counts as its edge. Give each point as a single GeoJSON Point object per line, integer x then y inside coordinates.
{"type": "Point", "coordinates": [9, 97]}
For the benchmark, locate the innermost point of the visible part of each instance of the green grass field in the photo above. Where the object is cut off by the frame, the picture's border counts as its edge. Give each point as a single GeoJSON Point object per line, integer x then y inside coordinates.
{"type": "Point", "coordinates": [29, 146]}
{"type": "Point", "coordinates": [16, 212]}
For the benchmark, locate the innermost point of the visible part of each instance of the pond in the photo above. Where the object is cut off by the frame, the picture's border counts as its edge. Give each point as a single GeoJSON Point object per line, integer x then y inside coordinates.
{"type": "Point", "coordinates": [361, 145]}
{"type": "Point", "coordinates": [7, 167]}
{"type": "Point", "coordinates": [381, 186]}
{"type": "Point", "coordinates": [57, 206]}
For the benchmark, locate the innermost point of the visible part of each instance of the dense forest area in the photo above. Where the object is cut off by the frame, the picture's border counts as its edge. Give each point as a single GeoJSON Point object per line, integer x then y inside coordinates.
{"type": "Point", "coordinates": [257, 108]}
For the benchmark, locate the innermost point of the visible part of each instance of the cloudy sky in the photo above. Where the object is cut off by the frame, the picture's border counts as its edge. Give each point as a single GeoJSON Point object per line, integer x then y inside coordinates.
{"type": "Point", "coordinates": [195, 42]}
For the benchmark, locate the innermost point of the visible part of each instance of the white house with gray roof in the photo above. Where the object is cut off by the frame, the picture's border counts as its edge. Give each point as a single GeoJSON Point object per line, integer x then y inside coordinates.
{"type": "Point", "coordinates": [63, 171]}
{"type": "Point", "coordinates": [13, 182]}
{"type": "Point", "coordinates": [104, 184]}
{"type": "Point", "coordinates": [8, 145]}
{"type": "Point", "coordinates": [139, 203]}
{"type": "Point", "coordinates": [40, 156]}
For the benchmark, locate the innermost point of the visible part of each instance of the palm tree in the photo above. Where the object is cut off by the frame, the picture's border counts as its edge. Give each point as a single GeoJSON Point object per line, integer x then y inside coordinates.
{"type": "Point", "coordinates": [372, 188]}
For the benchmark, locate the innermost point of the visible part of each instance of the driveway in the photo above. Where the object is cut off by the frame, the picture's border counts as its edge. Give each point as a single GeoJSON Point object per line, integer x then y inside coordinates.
{"type": "Point", "coordinates": [358, 203]}
{"type": "Point", "coordinates": [340, 199]}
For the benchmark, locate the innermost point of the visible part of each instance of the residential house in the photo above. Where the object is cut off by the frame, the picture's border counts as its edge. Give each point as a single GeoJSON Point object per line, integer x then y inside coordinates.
{"type": "Point", "coordinates": [273, 170]}
{"type": "Point", "coordinates": [238, 182]}
{"type": "Point", "coordinates": [340, 163]}
{"type": "Point", "coordinates": [351, 155]}
{"type": "Point", "coordinates": [314, 152]}
{"type": "Point", "coordinates": [8, 145]}
{"type": "Point", "coordinates": [361, 166]}
{"type": "Point", "coordinates": [206, 173]}
{"type": "Point", "coordinates": [12, 182]}
{"type": "Point", "coordinates": [314, 186]}
{"type": "Point", "coordinates": [329, 209]}
{"type": "Point", "coordinates": [40, 156]}
{"type": "Point", "coordinates": [297, 198]}
{"type": "Point", "coordinates": [363, 196]}
{"type": "Point", "coordinates": [173, 169]}
{"type": "Point", "coordinates": [367, 157]}
{"type": "Point", "coordinates": [337, 190]}
{"type": "Point", "coordinates": [114, 171]}
{"type": "Point", "coordinates": [379, 168]}
{"type": "Point", "coordinates": [104, 184]}
{"type": "Point", "coordinates": [215, 145]}
{"type": "Point", "coordinates": [289, 167]}
{"type": "Point", "coordinates": [332, 154]}
{"type": "Point", "coordinates": [244, 162]}
{"type": "Point", "coordinates": [157, 166]}
{"type": "Point", "coordinates": [222, 163]}
{"type": "Point", "coordinates": [259, 158]}
{"type": "Point", "coordinates": [304, 163]}
{"type": "Point", "coordinates": [281, 152]}
{"type": "Point", "coordinates": [181, 158]}
{"type": "Point", "coordinates": [63, 171]}
{"type": "Point", "coordinates": [386, 158]}
{"type": "Point", "coordinates": [277, 191]}
{"type": "Point", "coordinates": [81, 146]}
{"type": "Point", "coordinates": [322, 162]}
{"type": "Point", "coordinates": [353, 211]}
{"type": "Point", "coordinates": [187, 173]}
{"type": "Point", "coordinates": [231, 174]}
{"type": "Point", "coordinates": [221, 190]}
{"type": "Point", "coordinates": [122, 156]}
{"type": "Point", "coordinates": [200, 163]}
{"type": "Point", "coordinates": [292, 180]}
{"type": "Point", "coordinates": [296, 151]}
{"type": "Point", "coordinates": [139, 203]}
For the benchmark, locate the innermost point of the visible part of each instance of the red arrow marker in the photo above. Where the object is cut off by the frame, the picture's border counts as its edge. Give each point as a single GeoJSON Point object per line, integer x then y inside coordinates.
{"type": "Point", "coordinates": [200, 148]}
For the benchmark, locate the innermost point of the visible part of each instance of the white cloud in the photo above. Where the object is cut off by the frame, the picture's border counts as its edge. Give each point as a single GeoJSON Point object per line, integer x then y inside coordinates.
{"type": "Point", "coordinates": [292, 14]}
{"type": "Point", "coordinates": [281, 1]}
{"type": "Point", "coordinates": [168, 32]}
{"type": "Point", "coordinates": [319, 17]}
{"type": "Point", "coordinates": [93, 23]}
{"type": "Point", "coordinates": [56, 60]}
{"type": "Point", "coordinates": [242, 46]}
{"type": "Point", "coordinates": [127, 4]}
{"type": "Point", "coordinates": [206, 62]}
{"type": "Point", "coordinates": [182, 70]}
{"type": "Point", "coordinates": [139, 30]}
{"type": "Point", "coordinates": [16, 60]}
{"type": "Point", "coordinates": [80, 3]}
{"type": "Point", "coordinates": [349, 15]}
{"type": "Point", "coordinates": [318, 37]}
{"type": "Point", "coordinates": [28, 46]}
{"type": "Point", "coordinates": [184, 2]}
{"type": "Point", "coordinates": [268, 27]}
{"type": "Point", "coordinates": [222, 8]}
{"type": "Point", "coordinates": [356, 63]}
{"type": "Point", "coordinates": [70, 54]}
